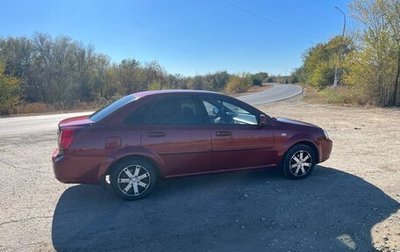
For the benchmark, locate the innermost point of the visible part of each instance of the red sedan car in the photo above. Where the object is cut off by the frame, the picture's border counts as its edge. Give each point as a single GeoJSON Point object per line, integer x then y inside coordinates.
{"type": "Point", "coordinates": [161, 134]}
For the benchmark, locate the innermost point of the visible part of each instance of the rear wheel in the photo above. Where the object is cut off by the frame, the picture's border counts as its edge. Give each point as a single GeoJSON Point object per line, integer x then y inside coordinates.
{"type": "Point", "coordinates": [133, 178]}
{"type": "Point", "coordinates": [299, 162]}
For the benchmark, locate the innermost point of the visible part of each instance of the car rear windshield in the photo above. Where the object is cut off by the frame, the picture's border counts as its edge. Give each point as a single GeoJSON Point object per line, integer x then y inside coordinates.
{"type": "Point", "coordinates": [109, 109]}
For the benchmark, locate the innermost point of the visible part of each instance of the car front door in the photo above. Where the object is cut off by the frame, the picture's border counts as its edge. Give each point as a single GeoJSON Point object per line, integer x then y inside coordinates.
{"type": "Point", "coordinates": [238, 142]}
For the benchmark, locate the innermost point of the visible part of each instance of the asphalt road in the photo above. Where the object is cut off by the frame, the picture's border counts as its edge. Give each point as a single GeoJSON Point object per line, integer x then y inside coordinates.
{"type": "Point", "coordinates": [32, 124]}
{"type": "Point", "coordinates": [277, 92]}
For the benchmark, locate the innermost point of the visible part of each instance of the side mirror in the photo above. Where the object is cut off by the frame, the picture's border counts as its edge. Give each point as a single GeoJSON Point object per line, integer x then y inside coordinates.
{"type": "Point", "coordinates": [263, 120]}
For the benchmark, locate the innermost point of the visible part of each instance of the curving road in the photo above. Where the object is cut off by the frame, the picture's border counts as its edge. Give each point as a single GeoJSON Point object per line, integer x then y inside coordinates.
{"type": "Point", "coordinates": [35, 124]}
{"type": "Point", "coordinates": [277, 92]}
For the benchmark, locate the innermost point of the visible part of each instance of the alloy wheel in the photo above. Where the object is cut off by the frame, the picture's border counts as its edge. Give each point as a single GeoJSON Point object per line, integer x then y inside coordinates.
{"type": "Point", "coordinates": [133, 180]}
{"type": "Point", "coordinates": [300, 163]}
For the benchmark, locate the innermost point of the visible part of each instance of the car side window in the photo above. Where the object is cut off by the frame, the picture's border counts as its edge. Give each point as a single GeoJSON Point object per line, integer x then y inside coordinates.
{"type": "Point", "coordinates": [168, 111]}
{"type": "Point", "coordinates": [223, 112]}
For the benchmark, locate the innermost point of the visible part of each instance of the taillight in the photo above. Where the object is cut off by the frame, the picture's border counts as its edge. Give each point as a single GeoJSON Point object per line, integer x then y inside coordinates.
{"type": "Point", "coordinates": [66, 138]}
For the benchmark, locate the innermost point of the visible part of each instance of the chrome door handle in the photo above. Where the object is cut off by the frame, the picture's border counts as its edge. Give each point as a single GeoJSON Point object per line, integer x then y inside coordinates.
{"type": "Point", "coordinates": [156, 134]}
{"type": "Point", "coordinates": [223, 133]}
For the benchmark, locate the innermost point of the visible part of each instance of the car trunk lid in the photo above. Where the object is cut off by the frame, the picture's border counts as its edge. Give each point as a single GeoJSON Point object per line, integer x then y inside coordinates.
{"type": "Point", "coordinates": [77, 121]}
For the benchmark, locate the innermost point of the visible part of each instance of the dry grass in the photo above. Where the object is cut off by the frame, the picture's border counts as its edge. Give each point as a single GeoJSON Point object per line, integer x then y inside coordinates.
{"type": "Point", "coordinates": [342, 95]}
{"type": "Point", "coordinates": [33, 108]}
{"type": "Point", "coordinates": [42, 108]}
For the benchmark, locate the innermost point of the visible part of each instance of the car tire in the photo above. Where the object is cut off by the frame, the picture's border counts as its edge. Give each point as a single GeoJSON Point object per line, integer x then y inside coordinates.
{"type": "Point", "coordinates": [299, 162]}
{"type": "Point", "coordinates": [133, 178]}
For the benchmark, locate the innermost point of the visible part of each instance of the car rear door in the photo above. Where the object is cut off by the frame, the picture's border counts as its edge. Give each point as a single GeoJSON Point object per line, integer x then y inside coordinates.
{"type": "Point", "coordinates": [175, 128]}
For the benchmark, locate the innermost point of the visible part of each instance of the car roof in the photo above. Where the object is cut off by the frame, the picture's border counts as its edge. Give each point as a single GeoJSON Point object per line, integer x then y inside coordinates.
{"type": "Point", "coordinates": [172, 91]}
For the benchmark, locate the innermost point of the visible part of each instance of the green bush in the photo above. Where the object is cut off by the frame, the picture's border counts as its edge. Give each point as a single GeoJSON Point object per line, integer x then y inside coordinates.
{"type": "Point", "coordinates": [9, 88]}
{"type": "Point", "coordinates": [238, 84]}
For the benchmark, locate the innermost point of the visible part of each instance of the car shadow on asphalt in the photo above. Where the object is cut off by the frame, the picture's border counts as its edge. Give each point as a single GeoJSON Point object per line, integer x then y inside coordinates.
{"type": "Point", "coordinates": [252, 210]}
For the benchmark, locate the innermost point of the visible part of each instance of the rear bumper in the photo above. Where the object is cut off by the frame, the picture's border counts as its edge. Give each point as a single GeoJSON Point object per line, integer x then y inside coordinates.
{"type": "Point", "coordinates": [79, 169]}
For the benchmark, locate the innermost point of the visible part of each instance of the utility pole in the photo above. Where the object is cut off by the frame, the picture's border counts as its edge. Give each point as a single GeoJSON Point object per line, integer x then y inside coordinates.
{"type": "Point", "coordinates": [335, 82]}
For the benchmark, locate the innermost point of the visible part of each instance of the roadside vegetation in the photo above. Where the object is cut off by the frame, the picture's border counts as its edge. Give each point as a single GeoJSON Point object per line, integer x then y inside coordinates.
{"type": "Point", "coordinates": [368, 61]}
{"type": "Point", "coordinates": [9, 90]}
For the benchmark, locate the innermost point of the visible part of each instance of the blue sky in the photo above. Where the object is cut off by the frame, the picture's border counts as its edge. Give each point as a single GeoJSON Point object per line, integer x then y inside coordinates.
{"type": "Point", "coordinates": [187, 37]}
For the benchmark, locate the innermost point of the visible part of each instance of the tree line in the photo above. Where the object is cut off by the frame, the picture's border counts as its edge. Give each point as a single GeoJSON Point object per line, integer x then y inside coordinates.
{"type": "Point", "coordinates": [368, 60]}
{"type": "Point", "coordinates": [63, 73]}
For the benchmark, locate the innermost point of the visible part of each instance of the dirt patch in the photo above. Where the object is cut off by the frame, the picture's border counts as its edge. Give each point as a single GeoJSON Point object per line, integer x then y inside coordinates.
{"type": "Point", "coordinates": [366, 144]}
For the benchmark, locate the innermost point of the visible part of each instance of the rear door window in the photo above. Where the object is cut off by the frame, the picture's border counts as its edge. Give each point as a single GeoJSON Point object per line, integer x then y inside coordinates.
{"type": "Point", "coordinates": [169, 111]}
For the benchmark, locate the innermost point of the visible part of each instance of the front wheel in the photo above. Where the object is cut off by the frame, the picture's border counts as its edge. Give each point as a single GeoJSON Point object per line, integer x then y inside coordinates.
{"type": "Point", "coordinates": [299, 162]}
{"type": "Point", "coordinates": [133, 179]}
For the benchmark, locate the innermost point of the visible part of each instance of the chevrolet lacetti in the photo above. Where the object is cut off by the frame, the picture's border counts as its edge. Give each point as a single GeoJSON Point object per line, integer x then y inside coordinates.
{"type": "Point", "coordinates": [142, 137]}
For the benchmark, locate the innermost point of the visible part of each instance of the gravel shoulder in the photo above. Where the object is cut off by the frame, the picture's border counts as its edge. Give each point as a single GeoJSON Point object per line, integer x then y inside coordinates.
{"type": "Point", "coordinates": [351, 201]}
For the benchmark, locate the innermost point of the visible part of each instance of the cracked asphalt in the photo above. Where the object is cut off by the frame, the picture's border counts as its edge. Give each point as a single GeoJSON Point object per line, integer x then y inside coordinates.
{"type": "Point", "coordinates": [350, 202]}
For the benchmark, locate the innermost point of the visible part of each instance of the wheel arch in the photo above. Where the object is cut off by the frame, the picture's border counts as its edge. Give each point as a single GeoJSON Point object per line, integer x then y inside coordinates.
{"type": "Point", "coordinates": [122, 155]}
{"type": "Point", "coordinates": [309, 144]}
{"type": "Point", "coordinates": [154, 163]}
